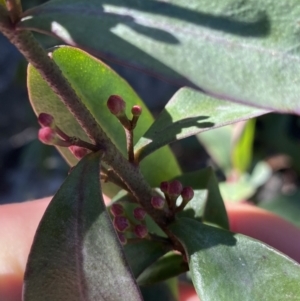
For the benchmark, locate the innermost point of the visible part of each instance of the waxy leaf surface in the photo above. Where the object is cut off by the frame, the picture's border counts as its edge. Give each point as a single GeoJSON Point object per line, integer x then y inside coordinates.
{"type": "Point", "coordinates": [242, 50]}
{"type": "Point", "coordinates": [228, 266]}
{"type": "Point", "coordinates": [168, 266]}
{"type": "Point", "coordinates": [76, 255]}
{"type": "Point", "coordinates": [141, 254]}
{"type": "Point", "coordinates": [94, 82]}
{"type": "Point", "coordinates": [190, 112]}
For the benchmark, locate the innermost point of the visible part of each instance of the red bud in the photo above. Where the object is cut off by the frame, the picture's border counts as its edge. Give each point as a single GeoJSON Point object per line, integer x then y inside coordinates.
{"type": "Point", "coordinates": [47, 135]}
{"type": "Point", "coordinates": [116, 105]}
{"type": "Point", "coordinates": [46, 120]}
{"type": "Point", "coordinates": [187, 193]}
{"type": "Point", "coordinates": [121, 223]}
{"type": "Point", "coordinates": [136, 110]}
{"type": "Point", "coordinates": [157, 202]}
{"type": "Point", "coordinates": [122, 238]}
{"type": "Point", "coordinates": [175, 188]}
{"type": "Point", "coordinates": [116, 209]}
{"type": "Point", "coordinates": [140, 231]}
{"type": "Point", "coordinates": [139, 213]}
{"type": "Point", "coordinates": [78, 151]}
{"type": "Point", "coordinates": [164, 187]}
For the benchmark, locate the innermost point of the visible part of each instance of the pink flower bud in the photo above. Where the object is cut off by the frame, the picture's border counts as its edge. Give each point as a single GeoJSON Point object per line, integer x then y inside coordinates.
{"type": "Point", "coordinates": [116, 209]}
{"type": "Point", "coordinates": [158, 202]}
{"type": "Point", "coordinates": [47, 135]}
{"type": "Point", "coordinates": [136, 110]}
{"type": "Point", "coordinates": [122, 238]}
{"type": "Point", "coordinates": [187, 193]}
{"type": "Point", "coordinates": [140, 231]}
{"type": "Point", "coordinates": [139, 213]}
{"type": "Point", "coordinates": [175, 188]}
{"type": "Point", "coordinates": [46, 120]}
{"type": "Point", "coordinates": [164, 187]}
{"type": "Point", "coordinates": [78, 151]}
{"type": "Point", "coordinates": [121, 223]}
{"type": "Point", "coordinates": [116, 105]}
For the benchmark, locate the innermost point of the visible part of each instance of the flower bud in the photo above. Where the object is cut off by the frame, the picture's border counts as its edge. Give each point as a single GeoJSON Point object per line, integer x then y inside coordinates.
{"type": "Point", "coordinates": [47, 135]}
{"type": "Point", "coordinates": [158, 202]}
{"type": "Point", "coordinates": [175, 188]}
{"type": "Point", "coordinates": [46, 120]}
{"type": "Point", "coordinates": [187, 193]}
{"type": "Point", "coordinates": [121, 223]}
{"type": "Point", "coordinates": [139, 213]}
{"type": "Point", "coordinates": [136, 110]}
{"type": "Point", "coordinates": [116, 105]}
{"type": "Point", "coordinates": [78, 151]}
{"type": "Point", "coordinates": [122, 238]}
{"type": "Point", "coordinates": [164, 187]}
{"type": "Point", "coordinates": [116, 209]}
{"type": "Point", "coordinates": [140, 231]}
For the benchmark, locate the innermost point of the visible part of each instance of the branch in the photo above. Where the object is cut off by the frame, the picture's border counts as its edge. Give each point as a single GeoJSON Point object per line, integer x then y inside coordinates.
{"type": "Point", "coordinates": [126, 171]}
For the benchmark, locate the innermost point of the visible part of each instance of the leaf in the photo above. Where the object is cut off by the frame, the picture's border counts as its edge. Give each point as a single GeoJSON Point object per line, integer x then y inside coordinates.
{"type": "Point", "coordinates": [141, 254]}
{"type": "Point", "coordinates": [207, 204]}
{"type": "Point", "coordinates": [246, 185]}
{"type": "Point", "coordinates": [76, 254]}
{"type": "Point", "coordinates": [163, 291]}
{"type": "Point", "coordinates": [195, 207]}
{"type": "Point", "coordinates": [243, 146]}
{"type": "Point", "coordinates": [217, 143]}
{"type": "Point", "coordinates": [188, 113]}
{"type": "Point", "coordinates": [228, 266]}
{"type": "Point", "coordinates": [94, 82]}
{"type": "Point", "coordinates": [168, 266]}
{"type": "Point", "coordinates": [244, 51]}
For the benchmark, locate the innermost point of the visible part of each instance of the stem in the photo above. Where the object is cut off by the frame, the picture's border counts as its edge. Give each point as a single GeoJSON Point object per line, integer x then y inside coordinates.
{"type": "Point", "coordinates": [50, 72]}
{"type": "Point", "coordinates": [129, 141]}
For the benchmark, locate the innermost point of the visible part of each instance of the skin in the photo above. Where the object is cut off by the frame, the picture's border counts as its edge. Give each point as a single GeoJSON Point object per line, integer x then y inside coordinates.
{"type": "Point", "coordinates": [19, 222]}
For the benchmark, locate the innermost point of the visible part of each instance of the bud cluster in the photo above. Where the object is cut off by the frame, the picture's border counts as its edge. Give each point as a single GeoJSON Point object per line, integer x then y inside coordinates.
{"type": "Point", "coordinates": [172, 190]}
{"type": "Point", "coordinates": [51, 134]}
{"type": "Point", "coordinates": [127, 227]}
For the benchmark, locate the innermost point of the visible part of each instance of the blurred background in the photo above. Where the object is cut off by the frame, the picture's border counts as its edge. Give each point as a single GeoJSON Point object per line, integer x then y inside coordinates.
{"type": "Point", "coordinates": [257, 161]}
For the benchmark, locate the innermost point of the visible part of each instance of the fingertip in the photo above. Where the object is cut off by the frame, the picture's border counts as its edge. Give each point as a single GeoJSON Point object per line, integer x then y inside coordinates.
{"type": "Point", "coordinates": [187, 292]}
{"type": "Point", "coordinates": [18, 225]}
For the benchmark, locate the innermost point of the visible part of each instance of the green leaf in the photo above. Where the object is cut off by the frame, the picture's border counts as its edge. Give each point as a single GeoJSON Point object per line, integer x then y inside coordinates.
{"type": "Point", "coordinates": [142, 253]}
{"type": "Point", "coordinates": [243, 145]}
{"type": "Point", "coordinates": [228, 266]}
{"type": "Point", "coordinates": [217, 143]}
{"type": "Point", "coordinates": [195, 207]}
{"type": "Point", "coordinates": [187, 113]}
{"type": "Point", "coordinates": [207, 204]}
{"type": "Point", "coordinates": [246, 185]}
{"type": "Point", "coordinates": [168, 266]}
{"type": "Point", "coordinates": [162, 291]}
{"type": "Point", "coordinates": [76, 254]}
{"type": "Point", "coordinates": [94, 82]}
{"type": "Point", "coordinates": [245, 51]}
